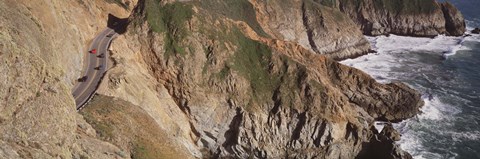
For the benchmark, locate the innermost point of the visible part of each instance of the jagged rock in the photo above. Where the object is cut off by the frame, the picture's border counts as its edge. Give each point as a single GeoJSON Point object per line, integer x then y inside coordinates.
{"type": "Point", "coordinates": [267, 94]}
{"type": "Point", "coordinates": [382, 145]}
{"type": "Point", "coordinates": [320, 29]}
{"type": "Point", "coordinates": [454, 21]}
{"type": "Point", "coordinates": [476, 31]}
{"type": "Point", "coordinates": [390, 132]}
{"type": "Point", "coordinates": [379, 100]}
{"type": "Point", "coordinates": [425, 18]}
{"type": "Point", "coordinates": [325, 30]}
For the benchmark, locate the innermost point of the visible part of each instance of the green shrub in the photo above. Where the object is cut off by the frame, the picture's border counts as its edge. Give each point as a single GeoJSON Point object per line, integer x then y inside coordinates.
{"type": "Point", "coordinates": [328, 3]}
{"type": "Point", "coordinates": [103, 130]}
{"type": "Point", "coordinates": [169, 19]}
{"type": "Point", "coordinates": [407, 6]}
{"type": "Point", "coordinates": [252, 60]}
{"type": "Point", "coordinates": [397, 6]}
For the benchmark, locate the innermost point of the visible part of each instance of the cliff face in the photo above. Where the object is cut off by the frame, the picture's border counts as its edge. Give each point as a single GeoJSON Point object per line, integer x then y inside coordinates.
{"type": "Point", "coordinates": [208, 78]}
{"type": "Point", "coordinates": [402, 17]}
{"type": "Point", "coordinates": [40, 41]}
{"type": "Point", "coordinates": [245, 91]}
{"type": "Point", "coordinates": [321, 29]}
{"type": "Point", "coordinates": [455, 23]}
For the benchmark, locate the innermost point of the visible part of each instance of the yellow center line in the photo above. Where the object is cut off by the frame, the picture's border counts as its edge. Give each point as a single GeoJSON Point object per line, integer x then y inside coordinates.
{"type": "Point", "coordinates": [94, 75]}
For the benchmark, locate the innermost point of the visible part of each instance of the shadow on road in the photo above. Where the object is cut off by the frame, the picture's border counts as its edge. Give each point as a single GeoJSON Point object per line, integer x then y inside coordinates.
{"type": "Point", "coordinates": [117, 24]}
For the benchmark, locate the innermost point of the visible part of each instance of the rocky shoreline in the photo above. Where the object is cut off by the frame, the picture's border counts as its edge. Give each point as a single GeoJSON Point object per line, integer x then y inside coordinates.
{"type": "Point", "coordinates": [323, 33]}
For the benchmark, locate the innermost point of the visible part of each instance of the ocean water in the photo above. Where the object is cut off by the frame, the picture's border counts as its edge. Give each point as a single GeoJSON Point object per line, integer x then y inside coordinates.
{"type": "Point", "coordinates": [446, 70]}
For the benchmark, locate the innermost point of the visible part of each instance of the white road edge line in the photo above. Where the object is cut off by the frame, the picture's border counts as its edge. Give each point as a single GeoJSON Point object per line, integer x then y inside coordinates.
{"type": "Point", "coordinates": [90, 96]}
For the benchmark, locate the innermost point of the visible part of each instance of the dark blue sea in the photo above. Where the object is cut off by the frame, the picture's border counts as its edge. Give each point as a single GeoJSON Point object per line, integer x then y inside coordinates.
{"type": "Point", "coordinates": [446, 70]}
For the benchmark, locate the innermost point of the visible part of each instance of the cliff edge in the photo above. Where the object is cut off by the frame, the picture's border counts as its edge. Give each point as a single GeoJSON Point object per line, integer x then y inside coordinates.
{"type": "Point", "coordinates": [425, 18]}
{"type": "Point", "coordinates": [247, 90]}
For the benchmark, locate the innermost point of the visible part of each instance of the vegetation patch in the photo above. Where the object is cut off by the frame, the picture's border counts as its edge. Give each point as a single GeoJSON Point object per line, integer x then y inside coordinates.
{"type": "Point", "coordinates": [104, 129]}
{"type": "Point", "coordinates": [224, 72]}
{"type": "Point", "coordinates": [397, 6]}
{"type": "Point", "coordinates": [240, 10]}
{"type": "Point", "coordinates": [145, 149]}
{"type": "Point", "coordinates": [329, 3]}
{"type": "Point", "coordinates": [169, 19]}
{"type": "Point", "coordinates": [323, 7]}
{"type": "Point", "coordinates": [352, 3]}
{"type": "Point", "coordinates": [252, 60]}
{"type": "Point", "coordinates": [407, 6]}
{"type": "Point", "coordinates": [130, 128]}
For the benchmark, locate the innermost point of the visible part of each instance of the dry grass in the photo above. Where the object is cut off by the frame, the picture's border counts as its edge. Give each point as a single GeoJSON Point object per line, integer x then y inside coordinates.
{"type": "Point", "coordinates": [131, 128]}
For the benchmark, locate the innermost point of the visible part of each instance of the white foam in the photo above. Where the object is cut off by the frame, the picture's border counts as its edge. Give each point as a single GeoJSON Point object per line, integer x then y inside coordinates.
{"type": "Point", "coordinates": [392, 53]}
{"type": "Point", "coordinates": [377, 65]}
{"type": "Point", "coordinates": [472, 37]}
{"type": "Point", "coordinates": [400, 44]}
{"type": "Point", "coordinates": [412, 143]}
{"type": "Point", "coordinates": [434, 109]}
{"type": "Point", "coordinates": [380, 64]}
{"type": "Point", "coordinates": [429, 112]}
{"type": "Point", "coordinates": [471, 24]}
{"type": "Point", "coordinates": [459, 136]}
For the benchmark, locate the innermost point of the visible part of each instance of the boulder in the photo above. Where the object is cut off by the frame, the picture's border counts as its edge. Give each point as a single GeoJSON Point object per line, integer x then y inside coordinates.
{"type": "Point", "coordinates": [390, 132]}
{"type": "Point", "coordinates": [476, 31]}
{"type": "Point", "coordinates": [454, 21]}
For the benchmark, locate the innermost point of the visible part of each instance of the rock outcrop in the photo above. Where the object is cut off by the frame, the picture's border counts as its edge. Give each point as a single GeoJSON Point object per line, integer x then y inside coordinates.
{"type": "Point", "coordinates": [383, 146]}
{"type": "Point", "coordinates": [321, 29]}
{"type": "Point", "coordinates": [476, 31]}
{"type": "Point", "coordinates": [454, 21]}
{"type": "Point", "coordinates": [246, 89]}
{"type": "Point", "coordinates": [426, 18]}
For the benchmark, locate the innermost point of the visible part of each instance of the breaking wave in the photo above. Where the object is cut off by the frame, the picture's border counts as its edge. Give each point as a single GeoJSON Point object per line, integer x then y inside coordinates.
{"type": "Point", "coordinates": [420, 62]}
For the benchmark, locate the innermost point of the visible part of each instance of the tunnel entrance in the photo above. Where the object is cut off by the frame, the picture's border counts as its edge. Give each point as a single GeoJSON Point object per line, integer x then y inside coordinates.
{"type": "Point", "coordinates": [117, 24]}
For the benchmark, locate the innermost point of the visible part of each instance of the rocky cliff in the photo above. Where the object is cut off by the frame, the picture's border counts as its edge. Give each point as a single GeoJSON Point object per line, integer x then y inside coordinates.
{"type": "Point", "coordinates": [210, 78]}
{"type": "Point", "coordinates": [321, 29]}
{"type": "Point", "coordinates": [402, 17]}
{"type": "Point", "coordinates": [252, 87]}
{"type": "Point", "coordinates": [40, 41]}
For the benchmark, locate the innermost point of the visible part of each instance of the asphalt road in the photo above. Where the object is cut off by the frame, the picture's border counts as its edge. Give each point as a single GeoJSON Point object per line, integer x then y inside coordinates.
{"type": "Point", "coordinates": [83, 91]}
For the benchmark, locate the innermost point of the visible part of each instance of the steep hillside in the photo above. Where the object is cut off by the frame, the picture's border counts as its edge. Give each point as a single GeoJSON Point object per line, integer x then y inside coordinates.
{"type": "Point", "coordinates": [131, 128]}
{"type": "Point", "coordinates": [40, 43]}
{"type": "Point", "coordinates": [402, 17]}
{"type": "Point", "coordinates": [321, 29]}
{"type": "Point", "coordinates": [246, 91]}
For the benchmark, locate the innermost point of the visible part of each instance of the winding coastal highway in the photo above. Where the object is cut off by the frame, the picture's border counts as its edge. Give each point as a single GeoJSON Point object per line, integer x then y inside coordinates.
{"type": "Point", "coordinates": [95, 68]}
